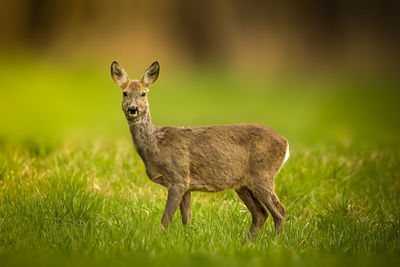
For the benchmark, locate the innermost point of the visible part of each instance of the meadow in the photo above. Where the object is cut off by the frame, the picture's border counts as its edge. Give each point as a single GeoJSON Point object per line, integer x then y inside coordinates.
{"type": "Point", "coordinates": [74, 191]}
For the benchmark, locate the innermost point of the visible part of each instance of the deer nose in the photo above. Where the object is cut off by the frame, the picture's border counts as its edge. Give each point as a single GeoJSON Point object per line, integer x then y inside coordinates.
{"type": "Point", "coordinates": [133, 110]}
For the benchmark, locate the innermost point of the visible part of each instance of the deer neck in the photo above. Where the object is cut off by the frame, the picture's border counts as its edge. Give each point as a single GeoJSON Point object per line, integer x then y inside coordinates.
{"type": "Point", "coordinates": [144, 138]}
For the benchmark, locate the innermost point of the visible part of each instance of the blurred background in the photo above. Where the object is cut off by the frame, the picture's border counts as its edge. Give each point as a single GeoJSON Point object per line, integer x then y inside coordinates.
{"type": "Point", "coordinates": [327, 34]}
{"type": "Point", "coordinates": [311, 69]}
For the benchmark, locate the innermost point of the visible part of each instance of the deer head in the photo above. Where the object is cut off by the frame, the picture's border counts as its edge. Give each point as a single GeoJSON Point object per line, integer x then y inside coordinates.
{"type": "Point", "coordinates": [134, 92]}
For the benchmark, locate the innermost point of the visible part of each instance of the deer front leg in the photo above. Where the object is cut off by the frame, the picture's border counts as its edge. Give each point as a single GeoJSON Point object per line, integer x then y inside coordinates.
{"type": "Point", "coordinates": [175, 194]}
{"type": "Point", "coordinates": [186, 210]}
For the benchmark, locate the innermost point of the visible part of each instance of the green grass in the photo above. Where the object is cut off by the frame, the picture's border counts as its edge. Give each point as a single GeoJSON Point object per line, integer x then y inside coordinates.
{"type": "Point", "coordinates": [74, 191]}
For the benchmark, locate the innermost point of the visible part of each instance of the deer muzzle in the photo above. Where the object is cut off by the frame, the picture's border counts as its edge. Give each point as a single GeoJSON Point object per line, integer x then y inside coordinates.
{"type": "Point", "coordinates": [133, 111]}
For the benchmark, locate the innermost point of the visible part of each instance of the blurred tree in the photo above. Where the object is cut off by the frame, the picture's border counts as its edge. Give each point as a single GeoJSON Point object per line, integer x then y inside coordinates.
{"type": "Point", "coordinates": [201, 30]}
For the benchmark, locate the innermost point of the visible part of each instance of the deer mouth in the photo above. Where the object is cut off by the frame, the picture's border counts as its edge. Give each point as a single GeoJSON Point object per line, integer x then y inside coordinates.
{"type": "Point", "coordinates": [132, 115]}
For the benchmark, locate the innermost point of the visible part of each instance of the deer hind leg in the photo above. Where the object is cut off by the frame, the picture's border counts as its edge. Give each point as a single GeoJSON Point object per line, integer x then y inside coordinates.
{"type": "Point", "coordinates": [186, 210]}
{"type": "Point", "coordinates": [258, 212]}
{"type": "Point", "coordinates": [271, 201]}
{"type": "Point", "coordinates": [259, 205]}
{"type": "Point", "coordinates": [278, 204]}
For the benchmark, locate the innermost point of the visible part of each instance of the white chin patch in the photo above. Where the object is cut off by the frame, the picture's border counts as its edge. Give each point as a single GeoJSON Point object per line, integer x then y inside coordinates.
{"type": "Point", "coordinates": [133, 115]}
{"type": "Point", "coordinates": [134, 119]}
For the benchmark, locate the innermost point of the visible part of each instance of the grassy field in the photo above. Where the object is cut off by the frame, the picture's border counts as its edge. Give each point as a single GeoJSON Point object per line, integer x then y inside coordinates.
{"type": "Point", "coordinates": [74, 191]}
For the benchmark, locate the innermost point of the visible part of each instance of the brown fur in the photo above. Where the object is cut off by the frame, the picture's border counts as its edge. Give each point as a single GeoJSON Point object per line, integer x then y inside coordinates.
{"type": "Point", "coordinates": [242, 157]}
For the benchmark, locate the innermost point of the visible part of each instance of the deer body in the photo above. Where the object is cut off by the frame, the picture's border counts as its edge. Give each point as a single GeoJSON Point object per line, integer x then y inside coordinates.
{"type": "Point", "coordinates": [242, 157]}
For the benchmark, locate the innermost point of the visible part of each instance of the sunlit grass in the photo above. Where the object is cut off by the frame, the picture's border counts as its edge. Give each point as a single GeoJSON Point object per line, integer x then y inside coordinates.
{"type": "Point", "coordinates": [73, 190]}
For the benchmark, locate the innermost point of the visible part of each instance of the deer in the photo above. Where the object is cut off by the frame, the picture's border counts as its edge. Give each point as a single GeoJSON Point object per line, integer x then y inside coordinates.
{"type": "Point", "coordinates": [242, 157]}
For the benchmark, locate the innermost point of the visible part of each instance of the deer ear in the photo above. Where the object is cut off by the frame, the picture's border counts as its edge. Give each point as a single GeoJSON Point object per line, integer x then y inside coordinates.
{"type": "Point", "coordinates": [151, 74]}
{"type": "Point", "coordinates": [118, 74]}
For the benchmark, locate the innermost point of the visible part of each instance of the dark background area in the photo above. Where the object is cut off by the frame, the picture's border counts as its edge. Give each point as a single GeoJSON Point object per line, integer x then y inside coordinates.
{"type": "Point", "coordinates": [332, 34]}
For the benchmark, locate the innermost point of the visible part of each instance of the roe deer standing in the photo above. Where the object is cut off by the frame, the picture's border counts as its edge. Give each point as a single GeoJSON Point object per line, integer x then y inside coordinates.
{"type": "Point", "coordinates": [242, 157]}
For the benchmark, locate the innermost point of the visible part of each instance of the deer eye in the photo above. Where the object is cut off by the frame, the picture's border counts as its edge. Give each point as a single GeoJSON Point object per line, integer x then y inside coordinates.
{"type": "Point", "coordinates": [143, 93]}
{"type": "Point", "coordinates": [125, 93]}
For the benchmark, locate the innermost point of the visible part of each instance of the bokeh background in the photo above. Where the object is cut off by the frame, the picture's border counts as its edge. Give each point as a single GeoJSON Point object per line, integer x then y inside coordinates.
{"type": "Point", "coordinates": [324, 74]}
{"type": "Point", "coordinates": [324, 34]}
{"type": "Point", "coordinates": [330, 65]}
